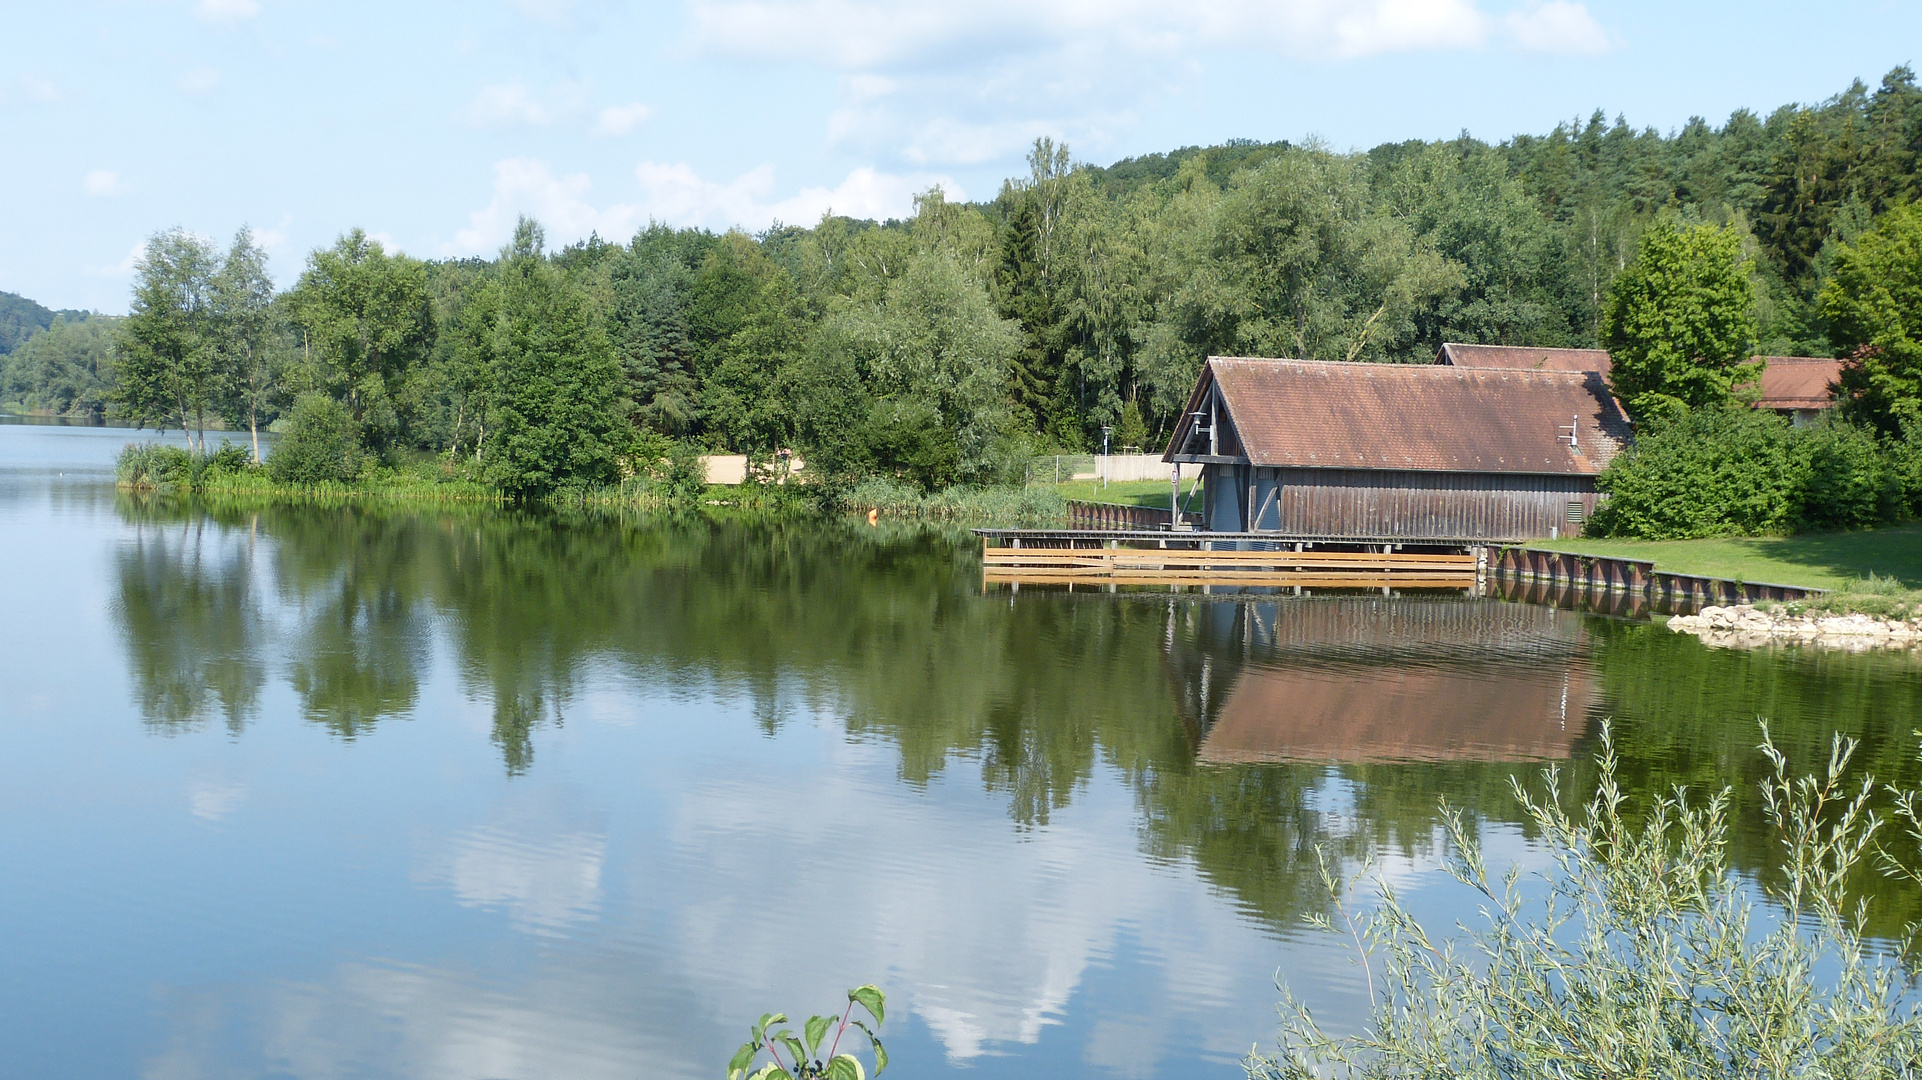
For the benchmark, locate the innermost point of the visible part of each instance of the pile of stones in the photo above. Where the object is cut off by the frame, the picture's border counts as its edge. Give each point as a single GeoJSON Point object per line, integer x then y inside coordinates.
{"type": "Point", "coordinates": [1747, 625]}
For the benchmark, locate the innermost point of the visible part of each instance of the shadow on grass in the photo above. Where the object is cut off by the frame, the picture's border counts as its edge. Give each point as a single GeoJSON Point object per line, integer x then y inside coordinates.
{"type": "Point", "coordinates": [1893, 552]}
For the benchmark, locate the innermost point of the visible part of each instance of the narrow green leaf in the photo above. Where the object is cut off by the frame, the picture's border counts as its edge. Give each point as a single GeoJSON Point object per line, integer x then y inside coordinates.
{"type": "Point", "coordinates": [742, 1059]}
{"type": "Point", "coordinates": [880, 1054]}
{"type": "Point", "coordinates": [815, 1030]}
{"type": "Point", "coordinates": [846, 1067]}
{"type": "Point", "coordinates": [869, 997]}
{"type": "Point", "coordinates": [787, 1039]}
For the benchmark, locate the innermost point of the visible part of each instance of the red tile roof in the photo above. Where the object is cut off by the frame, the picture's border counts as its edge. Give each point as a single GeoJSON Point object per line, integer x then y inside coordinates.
{"type": "Point", "coordinates": [1798, 382]}
{"type": "Point", "coordinates": [1523, 357]}
{"type": "Point", "coordinates": [1323, 414]}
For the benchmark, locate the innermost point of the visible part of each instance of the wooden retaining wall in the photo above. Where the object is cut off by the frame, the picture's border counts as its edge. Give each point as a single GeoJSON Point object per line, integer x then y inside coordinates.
{"type": "Point", "coordinates": [1635, 576]}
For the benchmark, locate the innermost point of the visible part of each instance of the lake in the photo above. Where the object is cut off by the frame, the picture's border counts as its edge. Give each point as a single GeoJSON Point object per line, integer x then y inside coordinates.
{"type": "Point", "coordinates": [318, 791]}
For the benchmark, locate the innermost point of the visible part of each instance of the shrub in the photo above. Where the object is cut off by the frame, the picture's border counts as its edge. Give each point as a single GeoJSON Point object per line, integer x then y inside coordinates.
{"type": "Point", "coordinates": [1846, 481]}
{"type": "Point", "coordinates": [321, 444]}
{"type": "Point", "coordinates": [1711, 472]}
{"type": "Point", "coordinates": [805, 1060]}
{"type": "Point", "coordinates": [229, 459]}
{"type": "Point", "coordinates": [152, 465]}
{"type": "Point", "coordinates": [1647, 957]}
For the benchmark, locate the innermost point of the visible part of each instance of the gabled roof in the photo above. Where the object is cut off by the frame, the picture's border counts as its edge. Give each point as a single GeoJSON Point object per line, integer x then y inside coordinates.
{"type": "Point", "coordinates": [1329, 414]}
{"type": "Point", "coordinates": [1798, 382]}
{"type": "Point", "coordinates": [1523, 358]}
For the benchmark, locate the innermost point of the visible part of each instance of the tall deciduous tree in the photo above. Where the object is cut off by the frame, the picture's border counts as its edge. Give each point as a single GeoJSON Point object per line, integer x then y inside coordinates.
{"type": "Point", "coordinates": [367, 319]}
{"type": "Point", "coordinates": [1679, 321]}
{"type": "Point", "coordinates": [169, 355]}
{"type": "Point", "coordinates": [243, 298]}
{"type": "Point", "coordinates": [555, 398]}
{"type": "Point", "coordinates": [1873, 307]}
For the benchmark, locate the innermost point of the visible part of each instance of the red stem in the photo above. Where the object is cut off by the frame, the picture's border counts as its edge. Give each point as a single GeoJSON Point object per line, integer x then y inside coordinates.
{"type": "Point", "coordinates": [776, 1053]}
{"type": "Point", "coordinates": [836, 1045]}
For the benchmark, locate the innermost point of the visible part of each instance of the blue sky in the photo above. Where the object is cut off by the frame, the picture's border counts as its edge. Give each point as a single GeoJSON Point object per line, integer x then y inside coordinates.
{"type": "Point", "coordinates": [432, 125]}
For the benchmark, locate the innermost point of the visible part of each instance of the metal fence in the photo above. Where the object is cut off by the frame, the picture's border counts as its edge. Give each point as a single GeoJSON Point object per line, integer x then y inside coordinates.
{"type": "Point", "coordinates": [1112, 468]}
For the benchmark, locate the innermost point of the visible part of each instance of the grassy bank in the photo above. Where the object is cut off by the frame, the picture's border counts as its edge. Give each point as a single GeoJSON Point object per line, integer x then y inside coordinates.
{"type": "Point", "coordinates": [1875, 571]}
{"type": "Point", "coordinates": [1152, 493]}
{"type": "Point", "coordinates": [1816, 560]}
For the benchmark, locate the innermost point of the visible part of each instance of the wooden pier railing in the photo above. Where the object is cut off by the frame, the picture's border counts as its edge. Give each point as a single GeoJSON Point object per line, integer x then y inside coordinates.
{"type": "Point", "coordinates": [1151, 566]}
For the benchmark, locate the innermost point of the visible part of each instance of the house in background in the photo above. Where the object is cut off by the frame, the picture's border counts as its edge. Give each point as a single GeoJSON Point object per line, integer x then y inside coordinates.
{"type": "Point", "coordinates": [1307, 448]}
{"type": "Point", "coordinates": [1522, 358]}
{"type": "Point", "coordinates": [1801, 388]}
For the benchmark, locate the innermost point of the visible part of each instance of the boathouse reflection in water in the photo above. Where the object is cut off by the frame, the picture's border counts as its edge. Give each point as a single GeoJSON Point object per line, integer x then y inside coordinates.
{"type": "Point", "coordinates": [1378, 679]}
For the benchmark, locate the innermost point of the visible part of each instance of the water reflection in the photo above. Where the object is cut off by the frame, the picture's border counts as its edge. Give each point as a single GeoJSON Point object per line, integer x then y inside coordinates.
{"type": "Point", "coordinates": [1370, 679]}
{"type": "Point", "coordinates": [675, 772]}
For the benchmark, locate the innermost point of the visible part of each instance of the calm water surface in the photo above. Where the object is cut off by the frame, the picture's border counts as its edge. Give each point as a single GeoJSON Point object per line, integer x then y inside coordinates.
{"type": "Point", "coordinates": [371, 792]}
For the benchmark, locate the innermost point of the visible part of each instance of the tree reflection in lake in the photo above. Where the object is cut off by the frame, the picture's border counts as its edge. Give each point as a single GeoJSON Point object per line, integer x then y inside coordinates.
{"type": "Point", "coordinates": [1231, 720]}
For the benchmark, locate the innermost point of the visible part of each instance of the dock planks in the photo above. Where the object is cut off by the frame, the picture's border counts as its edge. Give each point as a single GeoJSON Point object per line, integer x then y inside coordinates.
{"type": "Point", "coordinates": [1151, 566]}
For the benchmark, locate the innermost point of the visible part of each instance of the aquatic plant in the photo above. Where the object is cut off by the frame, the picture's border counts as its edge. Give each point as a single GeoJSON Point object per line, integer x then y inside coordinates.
{"type": "Point", "coordinates": [805, 1060]}
{"type": "Point", "coordinates": [1646, 955]}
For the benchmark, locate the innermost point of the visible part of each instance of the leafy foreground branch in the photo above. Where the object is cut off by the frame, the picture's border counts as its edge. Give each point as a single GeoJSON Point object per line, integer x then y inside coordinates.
{"type": "Point", "coordinates": [805, 1060]}
{"type": "Point", "coordinates": [1646, 956]}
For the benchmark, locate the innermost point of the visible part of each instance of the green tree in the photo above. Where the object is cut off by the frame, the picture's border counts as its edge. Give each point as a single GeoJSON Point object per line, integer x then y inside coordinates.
{"type": "Point", "coordinates": [66, 369]}
{"type": "Point", "coordinates": [1873, 307]}
{"type": "Point", "coordinates": [1679, 321]}
{"type": "Point", "coordinates": [367, 320]}
{"type": "Point", "coordinates": [169, 356]}
{"type": "Point", "coordinates": [243, 300]}
{"type": "Point", "coordinates": [556, 381]}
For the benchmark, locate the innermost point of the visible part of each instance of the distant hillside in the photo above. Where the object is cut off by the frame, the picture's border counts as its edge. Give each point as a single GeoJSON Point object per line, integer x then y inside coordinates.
{"type": "Point", "coordinates": [20, 319]}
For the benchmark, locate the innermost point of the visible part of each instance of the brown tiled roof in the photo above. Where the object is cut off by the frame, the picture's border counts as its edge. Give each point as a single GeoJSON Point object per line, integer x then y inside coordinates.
{"type": "Point", "coordinates": [1321, 414]}
{"type": "Point", "coordinates": [1523, 358]}
{"type": "Point", "coordinates": [1798, 382]}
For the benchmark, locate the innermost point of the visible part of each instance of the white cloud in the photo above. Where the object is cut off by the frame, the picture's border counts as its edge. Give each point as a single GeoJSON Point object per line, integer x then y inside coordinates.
{"type": "Point", "coordinates": [510, 103]}
{"type": "Point", "coordinates": [515, 104]}
{"type": "Point", "coordinates": [226, 12]}
{"type": "Point", "coordinates": [38, 90]}
{"type": "Point", "coordinates": [1557, 27]}
{"type": "Point", "coordinates": [105, 183]}
{"type": "Point", "coordinates": [199, 82]}
{"type": "Point", "coordinates": [527, 186]}
{"type": "Point", "coordinates": [944, 83]}
{"type": "Point", "coordinates": [125, 266]}
{"type": "Point", "coordinates": [677, 195]}
{"type": "Point", "coordinates": [622, 119]}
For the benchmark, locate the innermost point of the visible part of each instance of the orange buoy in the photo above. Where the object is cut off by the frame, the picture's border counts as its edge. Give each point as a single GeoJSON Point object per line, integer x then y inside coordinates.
{"type": "Point", "coordinates": [874, 516]}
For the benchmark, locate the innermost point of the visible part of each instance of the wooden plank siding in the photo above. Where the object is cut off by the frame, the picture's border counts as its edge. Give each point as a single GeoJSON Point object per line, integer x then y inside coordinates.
{"type": "Point", "coordinates": [1394, 503]}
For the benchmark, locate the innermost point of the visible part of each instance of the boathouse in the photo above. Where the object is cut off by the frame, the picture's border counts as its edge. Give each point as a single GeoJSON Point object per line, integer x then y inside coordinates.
{"type": "Point", "coordinates": [1306, 448]}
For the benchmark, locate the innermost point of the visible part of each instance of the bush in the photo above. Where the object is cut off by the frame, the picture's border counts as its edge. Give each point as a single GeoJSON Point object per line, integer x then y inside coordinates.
{"type": "Point", "coordinates": [1648, 956]}
{"type": "Point", "coordinates": [229, 459]}
{"type": "Point", "coordinates": [152, 465]}
{"type": "Point", "coordinates": [1711, 472]}
{"type": "Point", "coordinates": [1745, 472]}
{"type": "Point", "coordinates": [321, 444]}
{"type": "Point", "coordinates": [1846, 480]}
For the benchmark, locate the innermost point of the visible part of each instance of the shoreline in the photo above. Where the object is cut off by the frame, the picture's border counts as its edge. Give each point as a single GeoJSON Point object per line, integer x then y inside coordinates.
{"type": "Point", "coordinates": [1744, 626]}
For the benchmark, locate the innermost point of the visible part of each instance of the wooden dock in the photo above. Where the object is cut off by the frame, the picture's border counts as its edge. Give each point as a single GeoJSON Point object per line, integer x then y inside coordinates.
{"type": "Point", "coordinates": [1321, 569]}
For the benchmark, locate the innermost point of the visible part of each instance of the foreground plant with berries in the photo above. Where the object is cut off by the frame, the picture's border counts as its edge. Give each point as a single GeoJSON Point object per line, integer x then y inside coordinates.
{"type": "Point", "coordinates": [805, 1060]}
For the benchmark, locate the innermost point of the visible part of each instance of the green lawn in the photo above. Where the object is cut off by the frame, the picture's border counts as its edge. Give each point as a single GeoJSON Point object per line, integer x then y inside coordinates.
{"type": "Point", "coordinates": [1129, 492]}
{"type": "Point", "coordinates": [1817, 560]}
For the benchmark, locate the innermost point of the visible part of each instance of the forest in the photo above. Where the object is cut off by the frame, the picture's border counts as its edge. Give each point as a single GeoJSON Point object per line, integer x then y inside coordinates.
{"type": "Point", "coordinates": [1075, 306]}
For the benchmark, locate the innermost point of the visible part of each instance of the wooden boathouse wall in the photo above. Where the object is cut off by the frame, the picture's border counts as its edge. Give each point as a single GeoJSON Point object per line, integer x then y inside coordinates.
{"type": "Point", "coordinates": [1394, 503]}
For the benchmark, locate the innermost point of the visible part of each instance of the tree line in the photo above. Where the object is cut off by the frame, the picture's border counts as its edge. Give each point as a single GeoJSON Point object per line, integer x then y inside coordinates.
{"type": "Point", "coordinates": [1073, 307]}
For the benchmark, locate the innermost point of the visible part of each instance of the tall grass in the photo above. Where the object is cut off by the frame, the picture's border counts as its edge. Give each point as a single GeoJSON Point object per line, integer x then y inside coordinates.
{"type": "Point", "coordinates": [1010, 506]}
{"type": "Point", "coordinates": [1645, 956]}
